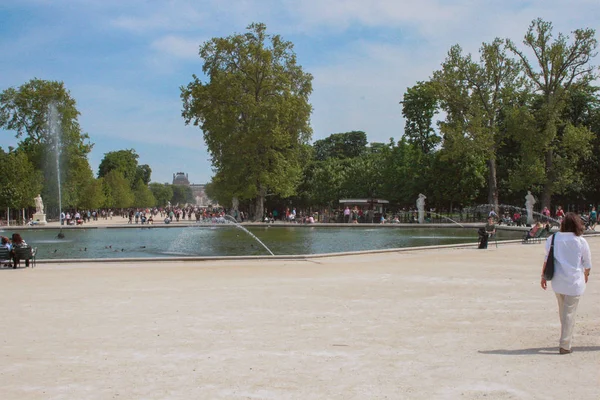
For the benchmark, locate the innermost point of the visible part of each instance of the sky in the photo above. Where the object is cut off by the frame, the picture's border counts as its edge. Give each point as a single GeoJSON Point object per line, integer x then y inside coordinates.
{"type": "Point", "coordinates": [124, 61]}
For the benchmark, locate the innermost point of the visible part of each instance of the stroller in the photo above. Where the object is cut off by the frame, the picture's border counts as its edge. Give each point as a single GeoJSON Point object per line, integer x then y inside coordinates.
{"type": "Point", "coordinates": [586, 222]}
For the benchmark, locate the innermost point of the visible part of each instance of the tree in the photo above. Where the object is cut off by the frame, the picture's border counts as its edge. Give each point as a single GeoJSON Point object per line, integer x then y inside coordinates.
{"type": "Point", "coordinates": [163, 193]}
{"type": "Point", "coordinates": [143, 173]}
{"type": "Point", "coordinates": [25, 110]}
{"type": "Point", "coordinates": [364, 177]}
{"type": "Point", "coordinates": [474, 96]}
{"type": "Point", "coordinates": [322, 182]}
{"type": "Point", "coordinates": [126, 162]}
{"type": "Point", "coordinates": [20, 183]}
{"type": "Point", "coordinates": [92, 194]}
{"type": "Point", "coordinates": [80, 184]}
{"type": "Point", "coordinates": [341, 145]}
{"type": "Point", "coordinates": [117, 190]}
{"type": "Point", "coordinates": [419, 106]}
{"type": "Point", "coordinates": [405, 172]}
{"type": "Point", "coordinates": [254, 112]}
{"type": "Point", "coordinates": [558, 67]}
{"type": "Point", "coordinates": [181, 195]}
{"type": "Point", "coordinates": [143, 196]}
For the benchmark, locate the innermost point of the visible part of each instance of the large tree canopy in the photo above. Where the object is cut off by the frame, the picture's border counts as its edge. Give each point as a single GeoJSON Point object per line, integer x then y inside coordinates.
{"type": "Point", "coordinates": [341, 145]}
{"type": "Point", "coordinates": [254, 112]}
{"type": "Point", "coordinates": [19, 181]}
{"type": "Point", "coordinates": [126, 162]}
{"type": "Point", "coordinates": [474, 96]}
{"type": "Point", "coordinates": [559, 67]}
{"type": "Point", "coordinates": [26, 111]}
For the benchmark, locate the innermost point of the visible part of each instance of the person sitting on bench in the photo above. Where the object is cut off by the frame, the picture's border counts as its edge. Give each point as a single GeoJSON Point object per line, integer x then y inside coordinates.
{"type": "Point", "coordinates": [17, 241]}
{"type": "Point", "coordinates": [533, 231]}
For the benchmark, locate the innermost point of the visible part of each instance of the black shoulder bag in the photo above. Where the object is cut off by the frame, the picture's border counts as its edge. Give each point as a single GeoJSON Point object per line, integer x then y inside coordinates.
{"type": "Point", "coordinates": [549, 267]}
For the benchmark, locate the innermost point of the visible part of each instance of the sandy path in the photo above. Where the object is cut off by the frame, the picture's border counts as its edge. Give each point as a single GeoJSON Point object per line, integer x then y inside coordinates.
{"type": "Point", "coordinates": [443, 324]}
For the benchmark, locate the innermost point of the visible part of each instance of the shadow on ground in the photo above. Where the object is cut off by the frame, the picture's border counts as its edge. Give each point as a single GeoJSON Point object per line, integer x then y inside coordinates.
{"type": "Point", "coordinates": [538, 350]}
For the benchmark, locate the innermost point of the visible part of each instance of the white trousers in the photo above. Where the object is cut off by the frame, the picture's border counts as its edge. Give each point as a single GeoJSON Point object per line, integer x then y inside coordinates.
{"type": "Point", "coordinates": [567, 307]}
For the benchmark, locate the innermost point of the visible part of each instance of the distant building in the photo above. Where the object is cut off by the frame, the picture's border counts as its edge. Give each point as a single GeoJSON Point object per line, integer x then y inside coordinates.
{"type": "Point", "coordinates": [181, 178]}
{"type": "Point", "coordinates": [198, 190]}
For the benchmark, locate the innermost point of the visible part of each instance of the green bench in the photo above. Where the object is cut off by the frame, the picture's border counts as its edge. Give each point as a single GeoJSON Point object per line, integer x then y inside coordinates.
{"type": "Point", "coordinates": [5, 257]}
{"type": "Point", "coordinates": [25, 253]}
{"type": "Point", "coordinates": [537, 238]}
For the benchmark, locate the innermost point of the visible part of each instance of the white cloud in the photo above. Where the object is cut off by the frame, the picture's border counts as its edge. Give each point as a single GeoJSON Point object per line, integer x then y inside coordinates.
{"type": "Point", "coordinates": [363, 54]}
{"type": "Point", "coordinates": [178, 46]}
{"type": "Point", "coordinates": [174, 15]}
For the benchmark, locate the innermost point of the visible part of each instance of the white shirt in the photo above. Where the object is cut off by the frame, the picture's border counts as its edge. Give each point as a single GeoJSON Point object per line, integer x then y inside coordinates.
{"type": "Point", "coordinates": [571, 256]}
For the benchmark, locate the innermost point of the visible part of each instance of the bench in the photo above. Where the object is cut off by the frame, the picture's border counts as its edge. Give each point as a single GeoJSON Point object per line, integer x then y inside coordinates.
{"type": "Point", "coordinates": [26, 253]}
{"type": "Point", "coordinates": [5, 257]}
{"type": "Point", "coordinates": [537, 238]}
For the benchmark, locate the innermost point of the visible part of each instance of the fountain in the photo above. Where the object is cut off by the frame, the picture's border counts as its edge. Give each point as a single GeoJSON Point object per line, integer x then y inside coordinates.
{"type": "Point", "coordinates": [449, 219]}
{"type": "Point", "coordinates": [524, 211]}
{"type": "Point", "coordinates": [54, 130]}
{"type": "Point", "coordinates": [237, 225]}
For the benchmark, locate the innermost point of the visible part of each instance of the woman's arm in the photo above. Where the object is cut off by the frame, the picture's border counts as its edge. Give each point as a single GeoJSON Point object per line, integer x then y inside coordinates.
{"type": "Point", "coordinates": [543, 282]}
{"type": "Point", "coordinates": [586, 274]}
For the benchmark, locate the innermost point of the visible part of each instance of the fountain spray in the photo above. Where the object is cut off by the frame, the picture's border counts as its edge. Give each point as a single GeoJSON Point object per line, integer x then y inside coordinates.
{"type": "Point", "coordinates": [54, 127]}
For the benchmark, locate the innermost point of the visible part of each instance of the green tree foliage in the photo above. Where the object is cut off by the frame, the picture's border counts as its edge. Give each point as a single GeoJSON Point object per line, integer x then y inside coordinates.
{"type": "Point", "coordinates": [142, 195]}
{"type": "Point", "coordinates": [92, 194]}
{"type": "Point", "coordinates": [254, 112]}
{"type": "Point", "coordinates": [143, 172]}
{"type": "Point", "coordinates": [25, 110]}
{"type": "Point", "coordinates": [163, 193]}
{"type": "Point", "coordinates": [117, 190]}
{"type": "Point", "coordinates": [559, 67]}
{"type": "Point", "coordinates": [126, 162]}
{"type": "Point", "coordinates": [418, 108]}
{"type": "Point", "coordinates": [20, 183]}
{"type": "Point", "coordinates": [364, 177]}
{"type": "Point", "coordinates": [322, 182]}
{"type": "Point", "coordinates": [181, 195]}
{"type": "Point", "coordinates": [584, 110]}
{"type": "Point", "coordinates": [474, 96]}
{"type": "Point", "coordinates": [405, 173]}
{"type": "Point", "coordinates": [458, 179]}
{"type": "Point", "coordinates": [341, 145]}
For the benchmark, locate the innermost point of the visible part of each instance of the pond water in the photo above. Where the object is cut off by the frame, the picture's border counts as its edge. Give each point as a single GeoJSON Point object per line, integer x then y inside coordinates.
{"type": "Point", "coordinates": [227, 240]}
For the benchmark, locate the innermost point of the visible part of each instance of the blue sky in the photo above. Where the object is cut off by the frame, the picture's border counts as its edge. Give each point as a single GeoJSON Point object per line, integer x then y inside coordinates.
{"type": "Point", "coordinates": [124, 60]}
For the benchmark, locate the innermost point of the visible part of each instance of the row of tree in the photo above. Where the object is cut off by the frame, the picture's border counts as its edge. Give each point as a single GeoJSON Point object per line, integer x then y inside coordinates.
{"type": "Point", "coordinates": [44, 151]}
{"type": "Point", "coordinates": [532, 121]}
{"type": "Point", "coordinates": [479, 130]}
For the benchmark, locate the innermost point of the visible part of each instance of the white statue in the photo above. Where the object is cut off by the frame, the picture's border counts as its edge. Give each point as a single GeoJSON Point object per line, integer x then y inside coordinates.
{"type": "Point", "coordinates": [39, 205]}
{"type": "Point", "coordinates": [529, 202]}
{"type": "Point", "coordinates": [421, 207]}
{"type": "Point", "coordinates": [235, 203]}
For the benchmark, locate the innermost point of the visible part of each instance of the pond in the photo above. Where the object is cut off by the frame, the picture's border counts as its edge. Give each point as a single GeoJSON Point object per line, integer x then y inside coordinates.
{"type": "Point", "coordinates": [227, 240]}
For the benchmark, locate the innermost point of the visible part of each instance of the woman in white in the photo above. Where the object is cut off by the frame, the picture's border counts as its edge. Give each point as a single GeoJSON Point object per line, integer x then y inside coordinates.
{"type": "Point", "coordinates": [572, 264]}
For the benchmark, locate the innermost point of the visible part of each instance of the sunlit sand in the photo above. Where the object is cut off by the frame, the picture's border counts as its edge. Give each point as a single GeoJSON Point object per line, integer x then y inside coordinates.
{"type": "Point", "coordinates": [436, 324]}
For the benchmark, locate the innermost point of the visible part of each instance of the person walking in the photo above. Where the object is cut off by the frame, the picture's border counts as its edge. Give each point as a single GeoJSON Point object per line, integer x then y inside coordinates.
{"type": "Point", "coordinates": [572, 265]}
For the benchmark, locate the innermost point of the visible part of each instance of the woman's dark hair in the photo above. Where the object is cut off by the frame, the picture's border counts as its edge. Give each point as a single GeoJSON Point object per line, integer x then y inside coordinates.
{"type": "Point", "coordinates": [16, 238]}
{"type": "Point", "coordinates": [572, 223]}
{"type": "Point", "coordinates": [4, 240]}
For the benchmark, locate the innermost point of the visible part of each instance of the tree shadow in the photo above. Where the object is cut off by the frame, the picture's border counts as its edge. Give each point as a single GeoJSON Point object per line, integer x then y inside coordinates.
{"type": "Point", "coordinates": [538, 350]}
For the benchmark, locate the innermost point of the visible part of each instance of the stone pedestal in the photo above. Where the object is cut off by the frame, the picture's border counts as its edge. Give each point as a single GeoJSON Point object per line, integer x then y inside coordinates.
{"type": "Point", "coordinates": [39, 219]}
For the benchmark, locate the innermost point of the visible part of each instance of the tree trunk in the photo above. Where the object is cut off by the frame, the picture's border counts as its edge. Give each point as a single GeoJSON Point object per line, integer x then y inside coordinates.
{"type": "Point", "coordinates": [549, 183]}
{"type": "Point", "coordinates": [492, 184]}
{"type": "Point", "coordinates": [259, 208]}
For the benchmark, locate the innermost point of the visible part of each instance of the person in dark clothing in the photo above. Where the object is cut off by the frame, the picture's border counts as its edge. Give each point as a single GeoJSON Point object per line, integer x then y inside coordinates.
{"type": "Point", "coordinates": [486, 232]}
